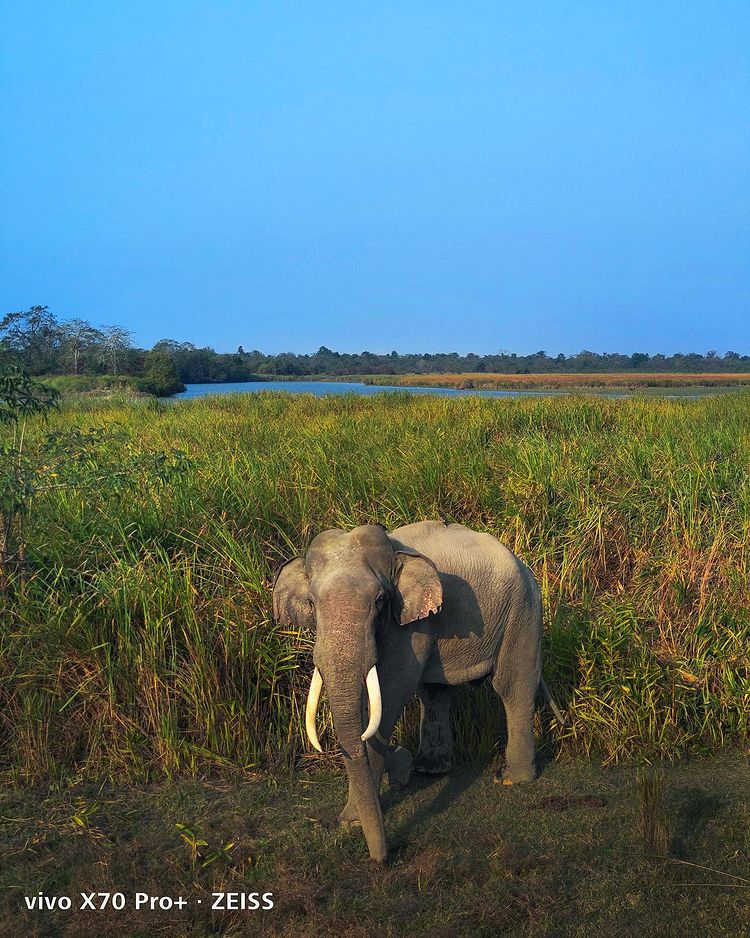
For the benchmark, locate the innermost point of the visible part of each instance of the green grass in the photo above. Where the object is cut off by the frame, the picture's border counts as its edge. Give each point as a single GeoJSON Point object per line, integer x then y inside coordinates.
{"type": "Point", "coordinates": [142, 643]}
{"type": "Point", "coordinates": [112, 387]}
{"type": "Point", "coordinates": [562, 858]}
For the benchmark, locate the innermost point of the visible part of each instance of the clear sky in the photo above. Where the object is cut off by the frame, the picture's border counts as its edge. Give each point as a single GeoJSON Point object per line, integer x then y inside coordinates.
{"type": "Point", "coordinates": [442, 176]}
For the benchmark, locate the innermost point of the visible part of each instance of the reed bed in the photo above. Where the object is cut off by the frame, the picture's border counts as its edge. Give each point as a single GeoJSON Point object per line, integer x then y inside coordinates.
{"type": "Point", "coordinates": [570, 382]}
{"type": "Point", "coordinates": [142, 643]}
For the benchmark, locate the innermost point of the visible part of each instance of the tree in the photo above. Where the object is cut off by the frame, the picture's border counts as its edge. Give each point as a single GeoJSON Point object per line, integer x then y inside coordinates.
{"type": "Point", "coordinates": [160, 376]}
{"type": "Point", "coordinates": [173, 346]}
{"type": "Point", "coordinates": [115, 341]}
{"type": "Point", "coordinates": [34, 335]}
{"type": "Point", "coordinates": [638, 360]}
{"type": "Point", "coordinates": [79, 338]}
{"type": "Point", "coordinates": [585, 361]}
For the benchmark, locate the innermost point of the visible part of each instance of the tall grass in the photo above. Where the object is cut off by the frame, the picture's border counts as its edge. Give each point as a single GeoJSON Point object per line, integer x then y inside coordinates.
{"type": "Point", "coordinates": [142, 643]}
{"type": "Point", "coordinates": [617, 379]}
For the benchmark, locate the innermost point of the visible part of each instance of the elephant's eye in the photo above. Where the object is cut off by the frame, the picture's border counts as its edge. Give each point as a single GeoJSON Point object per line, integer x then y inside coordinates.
{"type": "Point", "coordinates": [380, 598]}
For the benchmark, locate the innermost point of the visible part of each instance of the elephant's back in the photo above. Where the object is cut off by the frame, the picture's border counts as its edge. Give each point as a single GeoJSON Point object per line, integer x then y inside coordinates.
{"type": "Point", "coordinates": [456, 549]}
{"type": "Point", "coordinates": [484, 584]}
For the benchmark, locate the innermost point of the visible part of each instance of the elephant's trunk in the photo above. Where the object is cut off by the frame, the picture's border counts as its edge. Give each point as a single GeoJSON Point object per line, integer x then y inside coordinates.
{"type": "Point", "coordinates": [374, 701]}
{"type": "Point", "coordinates": [368, 803]}
{"type": "Point", "coordinates": [345, 697]}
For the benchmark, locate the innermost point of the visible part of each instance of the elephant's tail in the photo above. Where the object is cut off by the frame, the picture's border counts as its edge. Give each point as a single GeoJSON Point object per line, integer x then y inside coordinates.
{"type": "Point", "coordinates": [553, 705]}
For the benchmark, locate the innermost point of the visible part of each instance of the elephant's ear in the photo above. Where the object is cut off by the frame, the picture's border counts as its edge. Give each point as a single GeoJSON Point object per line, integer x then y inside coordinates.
{"type": "Point", "coordinates": [418, 587]}
{"type": "Point", "coordinates": [291, 595]}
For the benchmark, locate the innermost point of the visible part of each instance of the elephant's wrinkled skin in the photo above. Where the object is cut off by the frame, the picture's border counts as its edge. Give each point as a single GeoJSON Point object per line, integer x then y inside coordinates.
{"type": "Point", "coordinates": [432, 605]}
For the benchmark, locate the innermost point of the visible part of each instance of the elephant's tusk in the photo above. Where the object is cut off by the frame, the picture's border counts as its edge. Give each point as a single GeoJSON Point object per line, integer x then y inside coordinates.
{"type": "Point", "coordinates": [311, 710]}
{"type": "Point", "coordinates": [376, 703]}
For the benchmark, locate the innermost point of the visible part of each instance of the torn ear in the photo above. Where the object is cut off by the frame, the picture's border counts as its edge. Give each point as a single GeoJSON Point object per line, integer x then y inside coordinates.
{"type": "Point", "coordinates": [418, 588]}
{"type": "Point", "coordinates": [291, 595]}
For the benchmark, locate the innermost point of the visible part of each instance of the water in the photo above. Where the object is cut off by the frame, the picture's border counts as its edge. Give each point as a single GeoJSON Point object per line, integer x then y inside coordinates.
{"type": "Point", "coordinates": [321, 388]}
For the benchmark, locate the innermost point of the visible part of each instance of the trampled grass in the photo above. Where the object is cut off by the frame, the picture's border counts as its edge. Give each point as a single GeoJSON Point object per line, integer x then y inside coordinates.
{"type": "Point", "coordinates": [142, 642]}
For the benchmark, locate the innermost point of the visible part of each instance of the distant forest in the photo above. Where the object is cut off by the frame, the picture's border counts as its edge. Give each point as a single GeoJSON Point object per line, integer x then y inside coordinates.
{"type": "Point", "coordinates": [49, 346]}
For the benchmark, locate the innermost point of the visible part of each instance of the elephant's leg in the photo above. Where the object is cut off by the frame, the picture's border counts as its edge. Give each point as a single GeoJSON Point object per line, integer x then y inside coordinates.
{"type": "Point", "coordinates": [435, 756]}
{"type": "Point", "coordinates": [398, 766]}
{"type": "Point", "coordinates": [517, 690]}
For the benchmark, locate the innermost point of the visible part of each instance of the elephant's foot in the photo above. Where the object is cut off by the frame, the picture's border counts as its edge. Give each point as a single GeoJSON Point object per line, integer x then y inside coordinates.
{"type": "Point", "coordinates": [432, 763]}
{"type": "Point", "coordinates": [398, 765]}
{"type": "Point", "coordinates": [515, 775]}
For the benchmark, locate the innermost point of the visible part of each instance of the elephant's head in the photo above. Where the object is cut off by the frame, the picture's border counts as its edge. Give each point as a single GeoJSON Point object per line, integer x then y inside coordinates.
{"type": "Point", "coordinates": [354, 587]}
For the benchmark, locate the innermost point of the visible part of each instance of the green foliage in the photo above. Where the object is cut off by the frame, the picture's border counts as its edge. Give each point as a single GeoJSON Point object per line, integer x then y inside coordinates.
{"type": "Point", "coordinates": [107, 459]}
{"type": "Point", "coordinates": [34, 335]}
{"type": "Point", "coordinates": [20, 395]}
{"type": "Point", "coordinates": [101, 459]}
{"type": "Point", "coordinates": [204, 854]}
{"type": "Point", "coordinates": [68, 385]}
{"type": "Point", "coordinates": [194, 843]}
{"type": "Point", "coordinates": [204, 365]}
{"type": "Point", "coordinates": [161, 378]}
{"type": "Point", "coordinates": [143, 641]}
{"type": "Point", "coordinates": [20, 398]}
{"type": "Point", "coordinates": [47, 346]}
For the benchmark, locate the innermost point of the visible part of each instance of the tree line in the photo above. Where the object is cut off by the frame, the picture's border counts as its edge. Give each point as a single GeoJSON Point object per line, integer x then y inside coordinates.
{"type": "Point", "coordinates": [49, 346]}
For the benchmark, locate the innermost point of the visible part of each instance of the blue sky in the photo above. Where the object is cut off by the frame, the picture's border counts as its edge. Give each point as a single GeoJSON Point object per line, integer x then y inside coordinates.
{"type": "Point", "coordinates": [419, 176]}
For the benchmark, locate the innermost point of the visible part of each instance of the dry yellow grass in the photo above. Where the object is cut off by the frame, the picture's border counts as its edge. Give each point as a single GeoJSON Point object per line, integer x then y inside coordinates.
{"type": "Point", "coordinates": [614, 379]}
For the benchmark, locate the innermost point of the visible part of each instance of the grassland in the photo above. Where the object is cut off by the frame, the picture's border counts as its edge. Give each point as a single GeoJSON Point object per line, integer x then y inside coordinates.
{"type": "Point", "coordinates": [142, 643]}
{"type": "Point", "coordinates": [566, 382]}
{"type": "Point", "coordinates": [139, 653]}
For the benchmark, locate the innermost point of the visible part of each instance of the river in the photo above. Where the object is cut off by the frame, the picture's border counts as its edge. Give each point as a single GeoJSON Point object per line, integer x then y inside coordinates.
{"type": "Point", "coordinates": [321, 388]}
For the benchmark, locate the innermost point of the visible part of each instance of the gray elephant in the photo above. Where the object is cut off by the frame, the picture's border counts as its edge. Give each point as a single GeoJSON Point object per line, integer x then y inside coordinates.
{"type": "Point", "coordinates": [420, 610]}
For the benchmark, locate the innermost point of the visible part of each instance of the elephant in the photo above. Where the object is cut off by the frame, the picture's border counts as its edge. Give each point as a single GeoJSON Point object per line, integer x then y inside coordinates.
{"type": "Point", "coordinates": [418, 610]}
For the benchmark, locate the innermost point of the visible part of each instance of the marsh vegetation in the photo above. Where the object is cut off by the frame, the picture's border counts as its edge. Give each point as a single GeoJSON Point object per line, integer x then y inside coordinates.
{"type": "Point", "coordinates": [139, 641]}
